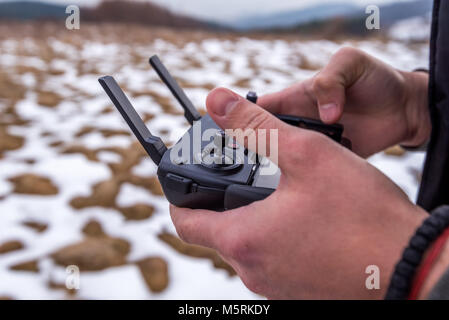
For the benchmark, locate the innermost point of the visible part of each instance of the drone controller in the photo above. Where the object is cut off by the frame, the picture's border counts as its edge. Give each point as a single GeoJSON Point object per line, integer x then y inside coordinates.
{"type": "Point", "coordinates": [206, 168]}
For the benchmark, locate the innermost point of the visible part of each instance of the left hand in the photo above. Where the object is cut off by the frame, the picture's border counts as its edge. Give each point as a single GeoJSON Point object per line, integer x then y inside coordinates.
{"type": "Point", "coordinates": [332, 215]}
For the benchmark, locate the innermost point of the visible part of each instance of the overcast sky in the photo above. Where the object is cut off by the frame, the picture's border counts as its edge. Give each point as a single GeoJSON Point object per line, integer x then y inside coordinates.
{"type": "Point", "coordinates": [225, 10]}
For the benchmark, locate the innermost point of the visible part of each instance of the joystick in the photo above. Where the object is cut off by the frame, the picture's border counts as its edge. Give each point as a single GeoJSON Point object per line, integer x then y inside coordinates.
{"type": "Point", "coordinates": [214, 173]}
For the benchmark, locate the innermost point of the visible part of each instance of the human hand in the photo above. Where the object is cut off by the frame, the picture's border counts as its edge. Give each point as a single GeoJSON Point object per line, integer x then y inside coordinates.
{"type": "Point", "coordinates": [332, 215]}
{"type": "Point", "coordinates": [378, 105]}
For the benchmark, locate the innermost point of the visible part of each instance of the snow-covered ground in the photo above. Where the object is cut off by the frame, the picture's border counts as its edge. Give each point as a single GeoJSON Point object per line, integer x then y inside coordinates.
{"type": "Point", "coordinates": [80, 114]}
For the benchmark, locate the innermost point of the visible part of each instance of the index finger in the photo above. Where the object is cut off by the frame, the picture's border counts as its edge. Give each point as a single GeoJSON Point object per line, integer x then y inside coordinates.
{"type": "Point", "coordinates": [294, 100]}
{"type": "Point", "coordinates": [201, 227]}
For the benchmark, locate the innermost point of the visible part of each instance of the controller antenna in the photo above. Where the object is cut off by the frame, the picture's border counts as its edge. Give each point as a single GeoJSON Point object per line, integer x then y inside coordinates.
{"type": "Point", "coordinates": [153, 145]}
{"type": "Point", "coordinates": [190, 113]}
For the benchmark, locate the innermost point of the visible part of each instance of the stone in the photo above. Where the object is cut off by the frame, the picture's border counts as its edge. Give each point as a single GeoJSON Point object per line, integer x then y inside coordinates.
{"type": "Point", "coordinates": [33, 184]}
{"type": "Point", "coordinates": [155, 273]}
{"type": "Point", "coordinates": [10, 246]}
{"type": "Point", "coordinates": [94, 254]}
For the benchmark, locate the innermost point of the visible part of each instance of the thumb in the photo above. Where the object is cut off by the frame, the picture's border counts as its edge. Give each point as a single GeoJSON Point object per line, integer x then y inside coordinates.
{"type": "Point", "coordinates": [330, 96]}
{"type": "Point", "coordinates": [329, 85]}
{"type": "Point", "coordinates": [251, 125]}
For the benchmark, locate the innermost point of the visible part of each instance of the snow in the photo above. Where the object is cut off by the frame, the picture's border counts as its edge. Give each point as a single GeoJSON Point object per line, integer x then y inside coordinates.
{"type": "Point", "coordinates": [412, 29]}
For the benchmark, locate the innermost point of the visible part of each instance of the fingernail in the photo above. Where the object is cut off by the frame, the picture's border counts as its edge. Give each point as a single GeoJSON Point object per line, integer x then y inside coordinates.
{"type": "Point", "coordinates": [222, 101]}
{"type": "Point", "coordinates": [328, 111]}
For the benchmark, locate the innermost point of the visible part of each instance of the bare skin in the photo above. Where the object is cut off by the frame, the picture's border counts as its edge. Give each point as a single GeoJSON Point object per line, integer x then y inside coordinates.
{"type": "Point", "coordinates": [333, 214]}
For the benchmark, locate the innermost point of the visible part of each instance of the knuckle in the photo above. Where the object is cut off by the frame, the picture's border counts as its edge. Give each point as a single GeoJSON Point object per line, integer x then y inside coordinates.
{"type": "Point", "coordinates": [238, 248]}
{"type": "Point", "coordinates": [350, 52]}
{"type": "Point", "coordinates": [322, 83]}
{"type": "Point", "coordinates": [257, 120]}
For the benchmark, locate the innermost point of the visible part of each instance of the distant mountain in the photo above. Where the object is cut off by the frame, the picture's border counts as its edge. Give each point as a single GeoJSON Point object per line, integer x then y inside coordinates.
{"type": "Point", "coordinates": [26, 10]}
{"type": "Point", "coordinates": [139, 12]}
{"type": "Point", "coordinates": [119, 11]}
{"type": "Point", "coordinates": [318, 14]}
{"type": "Point", "coordinates": [287, 19]}
{"type": "Point", "coordinates": [395, 12]}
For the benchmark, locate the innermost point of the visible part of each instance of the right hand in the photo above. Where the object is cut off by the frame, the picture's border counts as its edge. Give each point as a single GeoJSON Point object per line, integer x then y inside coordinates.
{"type": "Point", "coordinates": [378, 105]}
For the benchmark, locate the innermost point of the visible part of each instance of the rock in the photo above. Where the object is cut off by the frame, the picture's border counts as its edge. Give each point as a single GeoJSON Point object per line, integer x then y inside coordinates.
{"type": "Point", "coordinates": [9, 142]}
{"type": "Point", "coordinates": [48, 99]}
{"type": "Point", "coordinates": [107, 133]}
{"type": "Point", "coordinates": [10, 246]}
{"type": "Point", "coordinates": [196, 251]}
{"type": "Point", "coordinates": [9, 90]}
{"type": "Point", "coordinates": [103, 195]}
{"type": "Point", "coordinates": [62, 286]}
{"type": "Point", "coordinates": [396, 151]}
{"type": "Point", "coordinates": [137, 212]}
{"type": "Point", "coordinates": [29, 266]}
{"type": "Point", "coordinates": [6, 298]}
{"type": "Point", "coordinates": [93, 254]}
{"type": "Point", "coordinates": [33, 184]}
{"type": "Point", "coordinates": [151, 184]}
{"type": "Point", "coordinates": [29, 161]}
{"type": "Point", "coordinates": [155, 273]}
{"type": "Point", "coordinates": [93, 229]}
{"type": "Point", "coordinates": [88, 153]}
{"type": "Point", "coordinates": [131, 156]}
{"type": "Point", "coordinates": [38, 227]}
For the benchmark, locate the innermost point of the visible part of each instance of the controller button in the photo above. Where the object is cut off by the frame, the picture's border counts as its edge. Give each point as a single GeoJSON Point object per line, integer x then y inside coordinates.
{"type": "Point", "coordinates": [178, 183]}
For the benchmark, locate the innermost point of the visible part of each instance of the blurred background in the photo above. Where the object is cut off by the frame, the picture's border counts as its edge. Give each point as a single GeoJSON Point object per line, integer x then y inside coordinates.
{"type": "Point", "coordinates": [76, 188]}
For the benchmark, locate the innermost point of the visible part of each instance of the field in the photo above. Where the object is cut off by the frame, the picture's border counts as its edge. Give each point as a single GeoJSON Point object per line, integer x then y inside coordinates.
{"type": "Point", "coordinates": [77, 189]}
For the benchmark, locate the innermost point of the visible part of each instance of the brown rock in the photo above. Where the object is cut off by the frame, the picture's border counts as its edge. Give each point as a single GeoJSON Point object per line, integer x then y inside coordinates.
{"type": "Point", "coordinates": [130, 157]}
{"type": "Point", "coordinates": [38, 227]}
{"type": "Point", "coordinates": [29, 161]}
{"type": "Point", "coordinates": [56, 143]}
{"type": "Point", "coordinates": [107, 110]}
{"type": "Point", "coordinates": [9, 90]}
{"type": "Point", "coordinates": [111, 133]}
{"type": "Point", "coordinates": [9, 142]}
{"type": "Point", "coordinates": [61, 286]}
{"type": "Point", "coordinates": [103, 195]}
{"type": "Point", "coordinates": [93, 229]}
{"type": "Point", "coordinates": [137, 212]}
{"type": "Point", "coordinates": [90, 154]}
{"type": "Point", "coordinates": [155, 273]}
{"type": "Point", "coordinates": [10, 246]}
{"type": "Point", "coordinates": [48, 99]}
{"type": "Point", "coordinates": [94, 253]}
{"type": "Point", "coordinates": [396, 151]}
{"type": "Point", "coordinates": [151, 184]}
{"type": "Point", "coordinates": [85, 130]}
{"type": "Point", "coordinates": [196, 251]}
{"type": "Point", "coordinates": [33, 184]}
{"type": "Point", "coordinates": [29, 266]}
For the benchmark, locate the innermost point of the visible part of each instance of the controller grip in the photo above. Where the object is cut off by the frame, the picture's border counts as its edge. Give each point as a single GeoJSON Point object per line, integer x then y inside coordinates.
{"type": "Point", "coordinates": [237, 195]}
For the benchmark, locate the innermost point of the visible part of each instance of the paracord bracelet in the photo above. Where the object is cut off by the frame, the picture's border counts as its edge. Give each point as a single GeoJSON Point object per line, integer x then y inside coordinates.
{"type": "Point", "coordinates": [405, 269]}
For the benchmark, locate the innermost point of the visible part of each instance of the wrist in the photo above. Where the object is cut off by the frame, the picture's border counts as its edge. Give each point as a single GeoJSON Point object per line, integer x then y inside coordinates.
{"type": "Point", "coordinates": [417, 114]}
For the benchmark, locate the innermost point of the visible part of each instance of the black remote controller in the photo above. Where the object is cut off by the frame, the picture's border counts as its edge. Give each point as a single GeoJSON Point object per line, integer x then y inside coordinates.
{"type": "Point", "coordinates": [212, 173]}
